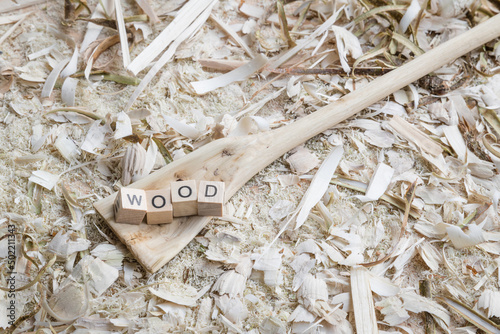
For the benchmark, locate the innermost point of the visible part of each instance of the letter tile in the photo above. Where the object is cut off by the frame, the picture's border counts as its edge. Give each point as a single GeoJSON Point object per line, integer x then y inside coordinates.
{"type": "Point", "coordinates": [211, 198]}
{"type": "Point", "coordinates": [184, 197]}
{"type": "Point", "coordinates": [159, 206]}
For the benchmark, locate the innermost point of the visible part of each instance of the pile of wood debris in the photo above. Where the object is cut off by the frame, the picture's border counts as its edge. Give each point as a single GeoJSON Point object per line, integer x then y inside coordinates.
{"type": "Point", "coordinates": [387, 223]}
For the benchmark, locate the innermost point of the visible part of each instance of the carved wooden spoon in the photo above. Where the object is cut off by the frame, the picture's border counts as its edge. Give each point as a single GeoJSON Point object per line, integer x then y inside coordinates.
{"type": "Point", "coordinates": [235, 160]}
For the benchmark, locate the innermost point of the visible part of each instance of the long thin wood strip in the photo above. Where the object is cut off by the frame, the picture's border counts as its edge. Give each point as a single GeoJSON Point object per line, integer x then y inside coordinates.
{"type": "Point", "coordinates": [362, 302]}
{"type": "Point", "coordinates": [411, 133]}
{"type": "Point", "coordinates": [123, 33]}
{"type": "Point", "coordinates": [189, 12]}
{"type": "Point", "coordinates": [146, 7]}
{"type": "Point", "coordinates": [12, 18]}
{"type": "Point", "coordinates": [239, 74]}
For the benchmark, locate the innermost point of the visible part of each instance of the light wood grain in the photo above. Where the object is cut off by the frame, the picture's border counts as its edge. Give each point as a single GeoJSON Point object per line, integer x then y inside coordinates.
{"type": "Point", "coordinates": [235, 160]}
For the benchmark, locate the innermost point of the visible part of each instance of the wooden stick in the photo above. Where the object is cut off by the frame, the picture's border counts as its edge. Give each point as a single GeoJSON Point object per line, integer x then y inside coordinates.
{"type": "Point", "coordinates": [235, 160]}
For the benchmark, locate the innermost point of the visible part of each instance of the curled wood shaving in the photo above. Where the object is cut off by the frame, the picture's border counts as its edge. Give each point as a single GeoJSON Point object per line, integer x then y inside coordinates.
{"type": "Point", "coordinates": [12, 29]}
{"type": "Point", "coordinates": [12, 18]}
{"type": "Point", "coordinates": [411, 133]}
{"type": "Point", "coordinates": [239, 74]}
{"type": "Point", "coordinates": [163, 150]}
{"type": "Point", "coordinates": [17, 6]}
{"type": "Point", "coordinates": [407, 43]}
{"type": "Point", "coordinates": [186, 17]}
{"type": "Point", "coordinates": [319, 184]}
{"type": "Point", "coordinates": [37, 278]}
{"type": "Point", "coordinates": [96, 52]}
{"type": "Point", "coordinates": [68, 91]}
{"type": "Point", "coordinates": [302, 16]}
{"type": "Point", "coordinates": [222, 65]}
{"type": "Point", "coordinates": [101, 11]}
{"type": "Point", "coordinates": [23, 249]}
{"type": "Point", "coordinates": [412, 12]}
{"type": "Point", "coordinates": [376, 51]}
{"type": "Point", "coordinates": [489, 146]}
{"type": "Point", "coordinates": [52, 78]}
{"type": "Point", "coordinates": [104, 75]}
{"type": "Point", "coordinates": [279, 60]}
{"type": "Point", "coordinates": [492, 118]}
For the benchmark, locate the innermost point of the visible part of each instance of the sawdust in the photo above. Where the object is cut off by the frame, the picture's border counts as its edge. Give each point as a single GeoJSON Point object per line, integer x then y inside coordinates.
{"type": "Point", "coordinates": [227, 279]}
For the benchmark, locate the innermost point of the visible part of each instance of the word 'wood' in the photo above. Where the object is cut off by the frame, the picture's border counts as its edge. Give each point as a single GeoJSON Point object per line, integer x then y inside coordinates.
{"type": "Point", "coordinates": [160, 206]}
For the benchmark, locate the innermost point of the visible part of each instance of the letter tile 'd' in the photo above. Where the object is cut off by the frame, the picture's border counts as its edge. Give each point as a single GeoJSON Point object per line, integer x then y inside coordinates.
{"type": "Point", "coordinates": [211, 198]}
{"type": "Point", "coordinates": [184, 197]}
{"type": "Point", "coordinates": [130, 206]}
{"type": "Point", "coordinates": [159, 206]}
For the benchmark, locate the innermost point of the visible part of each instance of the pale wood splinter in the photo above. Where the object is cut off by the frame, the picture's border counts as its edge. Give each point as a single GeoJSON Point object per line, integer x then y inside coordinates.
{"type": "Point", "coordinates": [160, 209]}
{"type": "Point", "coordinates": [130, 206]}
{"type": "Point", "coordinates": [211, 198]}
{"type": "Point", "coordinates": [184, 198]}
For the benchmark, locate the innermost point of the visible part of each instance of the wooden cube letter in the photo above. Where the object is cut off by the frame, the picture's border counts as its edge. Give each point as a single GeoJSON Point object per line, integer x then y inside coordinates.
{"type": "Point", "coordinates": [159, 206]}
{"type": "Point", "coordinates": [184, 198]}
{"type": "Point", "coordinates": [130, 206]}
{"type": "Point", "coordinates": [211, 198]}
